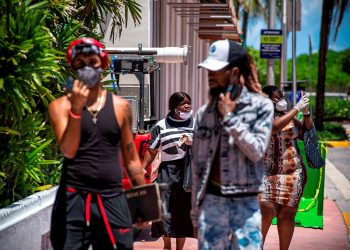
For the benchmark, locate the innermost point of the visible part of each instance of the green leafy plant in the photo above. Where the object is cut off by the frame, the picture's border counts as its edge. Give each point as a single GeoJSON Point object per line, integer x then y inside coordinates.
{"type": "Point", "coordinates": [332, 132]}
{"type": "Point", "coordinates": [34, 37]}
{"type": "Point", "coordinates": [26, 167]}
{"type": "Point", "coordinates": [27, 60]}
{"type": "Point", "coordinates": [336, 109]}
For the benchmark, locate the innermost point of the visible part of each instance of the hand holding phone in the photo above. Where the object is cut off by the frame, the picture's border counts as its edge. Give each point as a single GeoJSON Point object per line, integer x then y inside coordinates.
{"type": "Point", "coordinates": [227, 101]}
{"type": "Point", "coordinates": [68, 84]}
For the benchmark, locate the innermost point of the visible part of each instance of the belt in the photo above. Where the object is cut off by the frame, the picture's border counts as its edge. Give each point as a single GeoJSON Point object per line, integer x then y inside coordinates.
{"type": "Point", "coordinates": [214, 187]}
{"type": "Point", "coordinates": [102, 211]}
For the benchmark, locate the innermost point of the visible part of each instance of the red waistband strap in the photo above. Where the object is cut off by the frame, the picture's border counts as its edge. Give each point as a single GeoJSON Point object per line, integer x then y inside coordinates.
{"type": "Point", "coordinates": [71, 190]}
{"type": "Point", "coordinates": [87, 209]}
{"type": "Point", "coordinates": [105, 219]}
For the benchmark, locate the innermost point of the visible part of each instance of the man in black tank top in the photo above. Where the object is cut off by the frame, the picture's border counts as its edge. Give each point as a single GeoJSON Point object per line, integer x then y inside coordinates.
{"type": "Point", "coordinates": [91, 127]}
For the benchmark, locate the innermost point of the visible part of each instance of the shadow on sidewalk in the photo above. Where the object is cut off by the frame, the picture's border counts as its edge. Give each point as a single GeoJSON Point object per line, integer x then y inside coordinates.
{"type": "Point", "coordinates": [143, 234]}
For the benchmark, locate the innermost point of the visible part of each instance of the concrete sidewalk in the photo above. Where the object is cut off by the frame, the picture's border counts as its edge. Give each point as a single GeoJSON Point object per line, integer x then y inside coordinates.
{"type": "Point", "coordinates": [333, 236]}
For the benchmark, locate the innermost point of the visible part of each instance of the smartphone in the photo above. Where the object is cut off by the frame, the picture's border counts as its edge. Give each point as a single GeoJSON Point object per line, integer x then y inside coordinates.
{"type": "Point", "coordinates": [234, 89]}
{"type": "Point", "coordinates": [68, 84]}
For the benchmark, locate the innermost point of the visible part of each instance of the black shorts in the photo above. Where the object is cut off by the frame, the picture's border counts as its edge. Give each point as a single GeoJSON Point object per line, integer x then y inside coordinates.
{"type": "Point", "coordinates": [70, 231]}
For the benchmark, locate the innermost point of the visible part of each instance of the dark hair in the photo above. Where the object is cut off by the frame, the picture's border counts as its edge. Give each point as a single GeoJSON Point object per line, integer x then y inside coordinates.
{"type": "Point", "coordinates": [269, 90]}
{"type": "Point", "coordinates": [244, 66]}
{"type": "Point", "coordinates": [175, 99]}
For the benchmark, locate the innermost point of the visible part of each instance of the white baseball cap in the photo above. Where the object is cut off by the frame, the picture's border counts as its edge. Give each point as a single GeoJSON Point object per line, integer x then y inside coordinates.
{"type": "Point", "coordinates": [222, 53]}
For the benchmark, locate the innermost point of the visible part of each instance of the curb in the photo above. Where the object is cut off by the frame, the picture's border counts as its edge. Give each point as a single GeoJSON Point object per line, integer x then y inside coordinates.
{"type": "Point", "coordinates": [336, 144]}
{"type": "Point", "coordinates": [341, 183]}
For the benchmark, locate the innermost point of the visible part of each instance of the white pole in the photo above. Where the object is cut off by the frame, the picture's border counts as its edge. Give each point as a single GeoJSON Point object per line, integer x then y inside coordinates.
{"type": "Point", "coordinates": [294, 39]}
{"type": "Point", "coordinates": [284, 61]}
{"type": "Point", "coordinates": [270, 77]}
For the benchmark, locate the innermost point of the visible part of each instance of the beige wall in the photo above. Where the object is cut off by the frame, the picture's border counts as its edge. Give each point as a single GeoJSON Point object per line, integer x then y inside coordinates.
{"type": "Point", "coordinates": [169, 29]}
{"type": "Point", "coordinates": [161, 27]}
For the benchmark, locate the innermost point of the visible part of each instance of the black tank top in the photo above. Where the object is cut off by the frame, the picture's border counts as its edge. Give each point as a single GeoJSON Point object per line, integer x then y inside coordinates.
{"type": "Point", "coordinates": [96, 166]}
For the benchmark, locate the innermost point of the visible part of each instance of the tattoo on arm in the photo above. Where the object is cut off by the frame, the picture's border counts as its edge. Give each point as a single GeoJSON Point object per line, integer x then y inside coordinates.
{"type": "Point", "coordinates": [130, 150]}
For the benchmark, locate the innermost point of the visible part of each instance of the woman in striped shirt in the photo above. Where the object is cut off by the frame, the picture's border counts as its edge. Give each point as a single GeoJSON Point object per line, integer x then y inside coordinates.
{"type": "Point", "coordinates": [172, 138]}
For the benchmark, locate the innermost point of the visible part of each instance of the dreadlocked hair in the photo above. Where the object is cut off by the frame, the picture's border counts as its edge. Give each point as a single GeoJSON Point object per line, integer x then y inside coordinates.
{"type": "Point", "coordinates": [245, 70]}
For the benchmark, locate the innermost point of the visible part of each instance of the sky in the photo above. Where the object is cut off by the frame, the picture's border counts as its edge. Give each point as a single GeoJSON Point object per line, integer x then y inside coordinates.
{"type": "Point", "coordinates": [310, 25]}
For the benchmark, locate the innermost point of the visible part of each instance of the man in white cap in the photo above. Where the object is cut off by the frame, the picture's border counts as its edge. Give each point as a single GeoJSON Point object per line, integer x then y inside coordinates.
{"type": "Point", "coordinates": [232, 132]}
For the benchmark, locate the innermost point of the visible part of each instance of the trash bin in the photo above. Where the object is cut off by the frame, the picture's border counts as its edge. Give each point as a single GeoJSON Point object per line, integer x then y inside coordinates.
{"type": "Point", "coordinates": [310, 212]}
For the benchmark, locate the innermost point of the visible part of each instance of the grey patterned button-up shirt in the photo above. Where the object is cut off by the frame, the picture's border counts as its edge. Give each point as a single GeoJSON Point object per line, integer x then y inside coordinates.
{"type": "Point", "coordinates": [242, 137]}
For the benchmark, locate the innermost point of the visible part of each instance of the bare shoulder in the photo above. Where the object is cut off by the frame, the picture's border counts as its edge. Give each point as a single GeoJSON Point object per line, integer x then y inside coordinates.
{"type": "Point", "coordinates": [122, 110]}
{"type": "Point", "coordinates": [60, 104]}
{"type": "Point", "coordinates": [121, 102]}
{"type": "Point", "coordinates": [121, 106]}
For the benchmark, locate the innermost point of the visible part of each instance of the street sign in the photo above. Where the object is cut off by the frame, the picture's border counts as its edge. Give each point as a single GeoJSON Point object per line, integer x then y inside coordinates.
{"type": "Point", "coordinates": [271, 44]}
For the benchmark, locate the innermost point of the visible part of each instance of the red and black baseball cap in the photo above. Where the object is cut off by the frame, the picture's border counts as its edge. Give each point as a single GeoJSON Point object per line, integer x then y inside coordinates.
{"type": "Point", "coordinates": [87, 45]}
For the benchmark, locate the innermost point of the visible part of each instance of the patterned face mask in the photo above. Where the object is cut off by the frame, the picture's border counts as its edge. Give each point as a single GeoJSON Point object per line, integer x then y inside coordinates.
{"type": "Point", "coordinates": [89, 75]}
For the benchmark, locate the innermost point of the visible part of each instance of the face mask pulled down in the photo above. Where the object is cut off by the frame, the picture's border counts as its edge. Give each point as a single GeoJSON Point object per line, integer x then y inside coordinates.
{"type": "Point", "coordinates": [281, 105]}
{"type": "Point", "coordinates": [184, 115]}
{"type": "Point", "coordinates": [89, 75]}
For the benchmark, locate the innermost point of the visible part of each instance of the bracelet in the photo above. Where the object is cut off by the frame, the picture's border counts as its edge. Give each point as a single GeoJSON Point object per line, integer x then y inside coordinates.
{"type": "Point", "coordinates": [306, 114]}
{"type": "Point", "coordinates": [74, 115]}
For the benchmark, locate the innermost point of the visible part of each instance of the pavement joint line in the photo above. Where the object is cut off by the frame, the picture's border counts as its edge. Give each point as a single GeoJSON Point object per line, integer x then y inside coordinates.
{"type": "Point", "coordinates": [341, 183]}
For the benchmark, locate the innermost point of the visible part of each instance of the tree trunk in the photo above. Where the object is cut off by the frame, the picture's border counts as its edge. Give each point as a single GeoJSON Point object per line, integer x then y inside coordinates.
{"type": "Point", "coordinates": [237, 5]}
{"type": "Point", "coordinates": [245, 25]}
{"type": "Point", "coordinates": [327, 11]}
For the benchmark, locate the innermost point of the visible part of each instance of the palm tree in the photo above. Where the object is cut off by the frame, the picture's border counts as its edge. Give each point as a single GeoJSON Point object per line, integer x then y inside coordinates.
{"type": "Point", "coordinates": [332, 11]}
{"type": "Point", "coordinates": [250, 8]}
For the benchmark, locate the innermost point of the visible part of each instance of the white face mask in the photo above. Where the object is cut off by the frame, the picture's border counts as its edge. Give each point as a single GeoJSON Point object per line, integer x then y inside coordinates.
{"type": "Point", "coordinates": [184, 115]}
{"type": "Point", "coordinates": [281, 105]}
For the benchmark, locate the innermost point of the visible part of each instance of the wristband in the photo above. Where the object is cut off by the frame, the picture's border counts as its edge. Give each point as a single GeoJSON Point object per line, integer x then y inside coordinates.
{"type": "Point", "coordinates": [73, 115]}
{"type": "Point", "coordinates": [306, 114]}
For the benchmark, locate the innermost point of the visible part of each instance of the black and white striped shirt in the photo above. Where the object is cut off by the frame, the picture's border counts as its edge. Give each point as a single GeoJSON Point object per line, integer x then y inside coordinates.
{"type": "Point", "coordinates": [165, 137]}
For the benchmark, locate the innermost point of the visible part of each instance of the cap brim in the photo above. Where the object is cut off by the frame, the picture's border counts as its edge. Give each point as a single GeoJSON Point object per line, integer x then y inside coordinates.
{"type": "Point", "coordinates": [212, 65]}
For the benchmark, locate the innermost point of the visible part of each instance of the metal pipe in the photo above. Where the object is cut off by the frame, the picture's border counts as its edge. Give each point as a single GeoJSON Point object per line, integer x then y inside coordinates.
{"type": "Point", "coordinates": [160, 55]}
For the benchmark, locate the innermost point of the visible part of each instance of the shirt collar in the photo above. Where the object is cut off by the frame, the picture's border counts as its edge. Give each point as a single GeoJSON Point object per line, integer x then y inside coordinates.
{"type": "Point", "coordinates": [245, 96]}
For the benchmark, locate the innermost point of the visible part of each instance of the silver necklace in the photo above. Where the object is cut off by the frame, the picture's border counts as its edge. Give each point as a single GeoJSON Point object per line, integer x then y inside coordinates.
{"type": "Point", "coordinates": [95, 113]}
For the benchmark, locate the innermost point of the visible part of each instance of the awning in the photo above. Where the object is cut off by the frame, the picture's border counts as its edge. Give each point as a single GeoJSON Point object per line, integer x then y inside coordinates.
{"type": "Point", "coordinates": [213, 19]}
